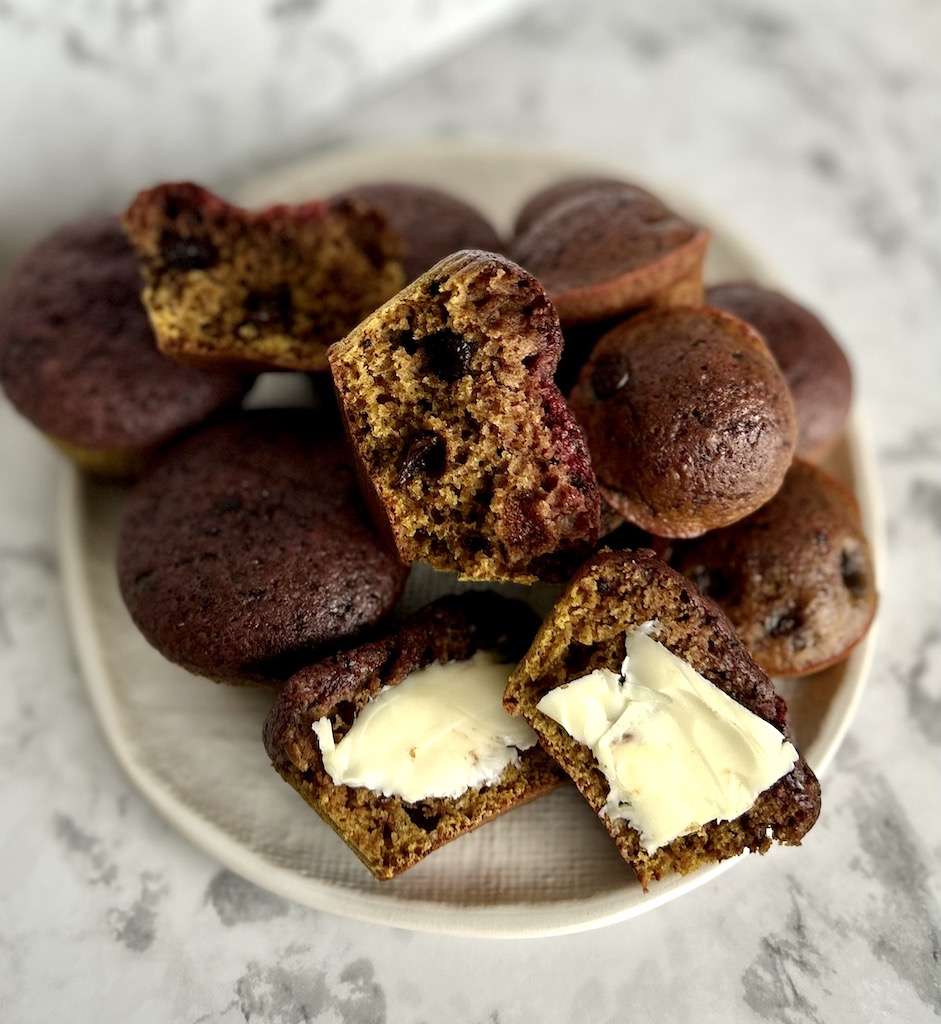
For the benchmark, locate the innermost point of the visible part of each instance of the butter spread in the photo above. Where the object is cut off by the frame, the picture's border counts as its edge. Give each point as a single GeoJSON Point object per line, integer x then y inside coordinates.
{"type": "Point", "coordinates": [677, 752]}
{"type": "Point", "coordinates": [438, 733]}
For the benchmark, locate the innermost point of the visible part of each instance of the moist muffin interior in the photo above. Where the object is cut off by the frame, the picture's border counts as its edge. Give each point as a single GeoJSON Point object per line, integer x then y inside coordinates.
{"type": "Point", "coordinates": [614, 593]}
{"type": "Point", "coordinates": [449, 400]}
{"type": "Point", "coordinates": [272, 288]}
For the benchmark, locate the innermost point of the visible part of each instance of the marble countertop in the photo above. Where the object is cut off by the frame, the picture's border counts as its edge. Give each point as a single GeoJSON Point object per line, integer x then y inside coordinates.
{"type": "Point", "coordinates": [817, 130]}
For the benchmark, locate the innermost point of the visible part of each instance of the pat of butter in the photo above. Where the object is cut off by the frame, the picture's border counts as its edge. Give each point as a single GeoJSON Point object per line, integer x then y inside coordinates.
{"type": "Point", "coordinates": [677, 752]}
{"type": "Point", "coordinates": [438, 733]}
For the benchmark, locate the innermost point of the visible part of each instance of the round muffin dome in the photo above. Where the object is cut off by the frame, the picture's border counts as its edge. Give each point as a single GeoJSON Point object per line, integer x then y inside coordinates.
{"type": "Point", "coordinates": [432, 224]}
{"type": "Point", "coordinates": [814, 366]}
{"type": "Point", "coordinates": [796, 577]}
{"type": "Point", "coordinates": [247, 552]}
{"type": "Point", "coordinates": [78, 357]}
{"type": "Point", "coordinates": [546, 199]}
{"type": "Point", "coordinates": [606, 251]}
{"type": "Point", "coordinates": [689, 421]}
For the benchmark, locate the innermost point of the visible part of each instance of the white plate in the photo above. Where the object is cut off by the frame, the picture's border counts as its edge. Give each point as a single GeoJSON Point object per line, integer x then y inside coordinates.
{"type": "Point", "coordinates": [194, 748]}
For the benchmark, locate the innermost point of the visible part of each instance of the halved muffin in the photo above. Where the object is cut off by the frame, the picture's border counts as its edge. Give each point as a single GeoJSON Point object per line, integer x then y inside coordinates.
{"type": "Point", "coordinates": [642, 693]}
{"type": "Point", "coordinates": [402, 744]}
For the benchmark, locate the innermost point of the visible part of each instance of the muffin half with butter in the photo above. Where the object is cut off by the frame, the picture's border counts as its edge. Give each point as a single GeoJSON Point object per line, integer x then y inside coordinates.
{"type": "Point", "coordinates": [639, 688]}
{"type": "Point", "coordinates": [402, 744]}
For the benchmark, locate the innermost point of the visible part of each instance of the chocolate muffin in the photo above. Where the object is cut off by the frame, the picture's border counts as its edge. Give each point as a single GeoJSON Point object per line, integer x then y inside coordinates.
{"type": "Point", "coordinates": [272, 288]}
{"type": "Point", "coordinates": [605, 252]}
{"type": "Point", "coordinates": [539, 203]}
{"type": "Point", "coordinates": [814, 366]}
{"type": "Point", "coordinates": [796, 577]}
{"type": "Point", "coordinates": [78, 359]}
{"type": "Point", "coordinates": [431, 224]}
{"type": "Point", "coordinates": [689, 421]}
{"type": "Point", "coordinates": [388, 833]}
{"type": "Point", "coordinates": [620, 592]}
{"type": "Point", "coordinates": [246, 552]}
{"type": "Point", "coordinates": [473, 460]}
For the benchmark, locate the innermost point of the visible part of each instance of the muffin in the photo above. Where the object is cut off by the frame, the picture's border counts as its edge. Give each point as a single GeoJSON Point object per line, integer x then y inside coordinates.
{"type": "Point", "coordinates": [411, 785]}
{"type": "Point", "coordinates": [796, 578]}
{"type": "Point", "coordinates": [430, 223]}
{"type": "Point", "coordinates": [541, 202]}
{"type": "Point", "coordinates": [267, 289]}
{"type": "Point", "coordinates": [634, 683]}
{"type": "Point", "coordinates": [689, 421]}
{"type": "Point", "coordinates": [246, 552]}
{"type": "Point", "coordinates": [78, 358]}
{"type": "Point", "coordinates": [606, 252]}
{"type": "Point", "coordinates": [814, 366]}
{"type": "Point", "coordinates": [471, 456]}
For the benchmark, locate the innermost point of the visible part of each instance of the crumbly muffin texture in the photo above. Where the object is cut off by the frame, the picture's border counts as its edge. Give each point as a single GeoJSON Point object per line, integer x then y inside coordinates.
{"type": "Point", "coordinates": [247, 552]}
{"type": "Point", "coordinates": [616, 592]}
{"type": "Point", "coordinates": [271, 288]}
{"type": "Point", "coordinates": [389, 834]}
{"type": "Point", "coordinates": [690, 423]}
{"type": "Point", "coordinates": [796, 578]}
{"type": "Point", "coordinates": [467, 448]}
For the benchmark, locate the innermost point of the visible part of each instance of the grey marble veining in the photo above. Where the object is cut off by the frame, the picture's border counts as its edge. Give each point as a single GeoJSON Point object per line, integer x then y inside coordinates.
{"type": "Point", "coordinates": [817, 130]}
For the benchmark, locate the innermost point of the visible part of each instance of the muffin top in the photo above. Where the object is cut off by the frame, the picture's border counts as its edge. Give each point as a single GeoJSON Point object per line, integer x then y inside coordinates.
{"type": "Point", "coordinates": [77, 354]}
{"type": "Point", "coordinates": [814, 366]}
{"type": "Point", "coordinates": [689, 421]}
{"type": "Point", "coordinates": [247, 550]}
{"type": "Point", "coordinates": [431, 224]}
{"type": "Point", "coordinates": [605, 251]}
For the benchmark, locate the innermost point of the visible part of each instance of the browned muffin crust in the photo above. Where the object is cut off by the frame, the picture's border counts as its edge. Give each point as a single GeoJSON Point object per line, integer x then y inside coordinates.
{"type": "Point", "coordinates": [689, 421]}
{"type": "Point", "coordinates": [271, 288]}
{"type": "Point", "coordinates": [796, 578]}
{"type": "Point", "coordinates": [814, 366]}
{"type": "Point", "coordinates": [247, 551]}
{"type": "Point", "coordinates": [602, 253]}
{"type": "Point", "coordinates": [546, 199]}
{"type": "Point", "coordinates": [472, 458]}
{"type": "Point", "coordinates": [430, 223]}
{"type": "Point", "coordinates": [389, 834]}
{"type": "Point", "coordinates": [78, 357]}
{"type": "Point", "coordinates": [612, 594]}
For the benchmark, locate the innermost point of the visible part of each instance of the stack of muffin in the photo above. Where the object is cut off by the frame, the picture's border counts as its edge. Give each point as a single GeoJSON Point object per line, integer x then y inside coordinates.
{"type": "Point", "coordinates": [596, 419]}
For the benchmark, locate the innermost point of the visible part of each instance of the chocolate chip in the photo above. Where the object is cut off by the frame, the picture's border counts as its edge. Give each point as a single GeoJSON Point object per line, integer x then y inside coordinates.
{"type": "Point", "coordinates": [230, 503]}
{"type": "Point", "coordinates": [608, 376]}
{"type": "Point", "coordinates": [853, 571]}
{"type": "Point", "coordinates": [713, 583]}
{"type": "Point", "coordinates": [784, 623]}
{"type": "Point", "coordinates": [190, 253]}
{"type": "Point", "coordinates": [577, 659]}
{"type": "Point", "coordinates": [447, 355]}
{"type": "Point", "coordinates": [406, 340]}
{"type": "Point", "coordinates": [426, 454]}
{"type": "Point", "coordinates": [274, 307]}
{"type": "Point", "coordinates": [418, 817]}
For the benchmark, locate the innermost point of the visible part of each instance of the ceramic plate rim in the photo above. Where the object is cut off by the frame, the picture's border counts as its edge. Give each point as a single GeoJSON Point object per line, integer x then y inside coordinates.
{"type": "Point", "coordinates": [510, 921]}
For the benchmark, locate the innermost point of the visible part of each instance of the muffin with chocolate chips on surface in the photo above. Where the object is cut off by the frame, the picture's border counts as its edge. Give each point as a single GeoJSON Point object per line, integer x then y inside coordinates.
{"type": "Point", "coordinates": [796, 578]}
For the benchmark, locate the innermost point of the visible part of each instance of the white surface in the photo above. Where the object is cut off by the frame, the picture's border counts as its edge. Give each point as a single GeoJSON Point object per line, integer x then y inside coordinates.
{"type": "Point", "coordinates": [194, 749]}
{"type": "Point", "coordinates": [816, 130]}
